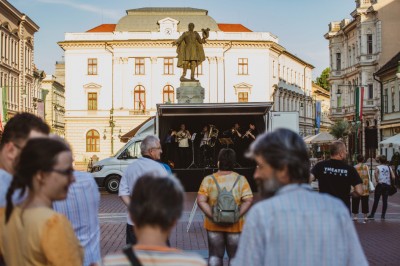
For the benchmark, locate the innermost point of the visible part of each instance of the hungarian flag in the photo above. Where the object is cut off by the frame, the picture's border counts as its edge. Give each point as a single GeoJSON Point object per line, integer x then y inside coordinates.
{"type": "Point", "coordinates": [359, 102]}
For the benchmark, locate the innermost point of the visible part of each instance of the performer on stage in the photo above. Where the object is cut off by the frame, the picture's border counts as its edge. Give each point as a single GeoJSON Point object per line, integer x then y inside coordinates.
{"type": "Point", "coordinates": [169, 148]}
{"type": "Point", "coordinates": [182, 137]}
{"type": "Point", "coordinates": [204, 154]}
{"type": "Point", "coordinates": [234, 134]}
{"type": "Point", "coordinates": [250, 134]}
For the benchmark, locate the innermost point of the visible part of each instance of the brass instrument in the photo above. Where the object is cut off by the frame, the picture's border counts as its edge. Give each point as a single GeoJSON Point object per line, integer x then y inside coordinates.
{"type": "Point", "coordinates": [181, 135]}
{"type": "Point", "coordinates": [248, 132]}
{"type": "Point", "coordinates": [212, 136]}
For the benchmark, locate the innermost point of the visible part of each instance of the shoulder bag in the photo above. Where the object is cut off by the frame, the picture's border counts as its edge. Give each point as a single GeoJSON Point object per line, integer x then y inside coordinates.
{"type": "Point", "coordinates": [128, 251]}
{"type": "Point", "coordinates": [392, 189]}
{"type": "Point", "coordinates": [371, 184]}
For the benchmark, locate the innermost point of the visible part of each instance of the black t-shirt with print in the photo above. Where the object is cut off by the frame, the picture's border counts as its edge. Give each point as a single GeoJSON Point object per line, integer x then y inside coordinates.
{"type": "Point", "coordinates": [336, 178]}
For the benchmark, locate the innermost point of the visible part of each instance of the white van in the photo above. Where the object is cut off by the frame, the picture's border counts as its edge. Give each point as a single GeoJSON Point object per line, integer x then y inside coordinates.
{"type": "Point", "coordinates": [108, 172]}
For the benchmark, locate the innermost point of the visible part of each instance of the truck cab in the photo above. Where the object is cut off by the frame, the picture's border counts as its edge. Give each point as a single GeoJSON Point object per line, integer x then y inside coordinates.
{"type": "Point", "coordinates": [108, 172]}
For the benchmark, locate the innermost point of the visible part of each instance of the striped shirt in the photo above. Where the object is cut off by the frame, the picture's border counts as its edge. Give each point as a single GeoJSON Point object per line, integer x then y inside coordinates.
{"type": "Point", "coordinates": [156, 256]}
{"type": "Point", "coordinates": [299, 227]}
{"type": "Point", "coordinates": [82, 208]}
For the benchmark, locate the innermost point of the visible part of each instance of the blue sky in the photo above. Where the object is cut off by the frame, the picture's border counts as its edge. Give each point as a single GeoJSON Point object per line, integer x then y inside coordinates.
{"type": "Point", "coordinates": [299, 24]}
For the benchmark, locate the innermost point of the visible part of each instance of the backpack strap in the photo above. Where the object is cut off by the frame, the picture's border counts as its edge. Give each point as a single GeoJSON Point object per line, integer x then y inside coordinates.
{"type": "Point", "coordinates": [215, 180]}
{"type": "Point", "coordinates": [128, 251]}
{"type": "Point", "coordinates": [237, 180]}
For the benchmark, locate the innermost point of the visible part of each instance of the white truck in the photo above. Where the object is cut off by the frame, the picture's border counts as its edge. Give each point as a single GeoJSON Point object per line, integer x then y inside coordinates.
{"type": "Point", "coordinates": [108, 172]}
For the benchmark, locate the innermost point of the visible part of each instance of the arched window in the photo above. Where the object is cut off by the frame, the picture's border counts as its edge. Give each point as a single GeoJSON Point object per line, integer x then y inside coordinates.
{"type": "Point", "coordinates": [139, 98]}
{"type": "Point", "coordinates": [168, 94]}
{"type": "Point", "coordinates": [92, 141]}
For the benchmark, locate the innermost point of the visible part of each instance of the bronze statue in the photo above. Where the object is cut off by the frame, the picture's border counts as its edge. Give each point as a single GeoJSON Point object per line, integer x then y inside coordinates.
{"type": "Point", "coordinates": [190, 51]}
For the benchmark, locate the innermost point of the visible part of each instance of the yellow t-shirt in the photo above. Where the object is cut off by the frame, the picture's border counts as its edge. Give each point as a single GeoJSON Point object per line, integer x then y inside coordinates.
{"type": "Point", "coordinates": [38, 236]}
{"type": "Point", "coordinates": [241, 191]}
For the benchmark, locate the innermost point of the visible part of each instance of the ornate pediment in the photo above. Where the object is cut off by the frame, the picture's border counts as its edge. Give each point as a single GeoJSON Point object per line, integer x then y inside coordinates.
{"type": "Point", "coordinates": [168, 25]}
{"type": "Point", "coordinates": [92, 86]}
{"type": "Point", "coordinates": [242, 87]}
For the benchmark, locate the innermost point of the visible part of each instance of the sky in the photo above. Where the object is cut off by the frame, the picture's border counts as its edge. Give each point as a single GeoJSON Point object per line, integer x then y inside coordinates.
{"type": "Point", "coordinates": [299, 24]}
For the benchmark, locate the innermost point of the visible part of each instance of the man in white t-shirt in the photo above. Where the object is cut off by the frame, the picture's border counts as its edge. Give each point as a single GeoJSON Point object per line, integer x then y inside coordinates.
{"type": "Point", "coordinates": [151, 152]}
{"type": "Point", "coordinates": [18, 130]}
{"type": "Point", "coordinates": [183, 137]}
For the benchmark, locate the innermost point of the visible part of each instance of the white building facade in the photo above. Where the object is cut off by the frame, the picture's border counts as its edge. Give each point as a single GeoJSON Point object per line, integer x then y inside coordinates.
{"type": "Point", "coordinates": [115, 74]}
{"type": "Point", "coordinates": [358, 47]}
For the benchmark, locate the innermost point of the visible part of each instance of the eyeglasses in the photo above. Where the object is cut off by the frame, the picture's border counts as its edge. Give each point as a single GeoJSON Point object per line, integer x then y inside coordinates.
{"type": "Point", "coordinates": [68, 172]}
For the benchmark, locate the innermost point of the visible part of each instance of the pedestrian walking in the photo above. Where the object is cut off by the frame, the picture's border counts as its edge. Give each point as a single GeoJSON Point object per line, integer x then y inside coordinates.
{"type": "Point", "coordinates": [294, 225]}
{"type": "Point", "coordinates": [363, 170]}
{"type": "Point", "coordinates": [17, 131]}
{"type": "Point", "coordinates": [335, 177]}
{"type": "Point", "coordinates": [151, 151]}
{"type": "Point", "coordinates": [81, 207]}
{"type": "Point", "coordinates": [33, 233]}
{"type": "Point", "coordinates": [155, 207]}
{"type": "Point", "coordinates": [383, 177]}
{"type": "Point", "coordinates": [223, 236]}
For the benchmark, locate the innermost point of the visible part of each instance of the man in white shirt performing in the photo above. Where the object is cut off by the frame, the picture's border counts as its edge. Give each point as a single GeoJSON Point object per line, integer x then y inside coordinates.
{"type": "Point", "coordinates": [151, 152]}
{"type": "Point", "coordinates": [183, 137]}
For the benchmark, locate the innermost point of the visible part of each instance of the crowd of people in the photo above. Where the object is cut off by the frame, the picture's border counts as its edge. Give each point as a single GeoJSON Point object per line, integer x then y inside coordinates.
{"type": "Point", "coordinates": [49, 211]}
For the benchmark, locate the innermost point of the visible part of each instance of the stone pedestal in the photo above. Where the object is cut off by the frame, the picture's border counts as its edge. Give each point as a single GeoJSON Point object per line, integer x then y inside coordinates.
{"type": "Point", "coordinates": [190, 92]}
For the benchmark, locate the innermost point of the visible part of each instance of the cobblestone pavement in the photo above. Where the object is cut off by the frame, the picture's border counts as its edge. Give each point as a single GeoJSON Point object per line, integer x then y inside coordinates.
{"type": "Point", "coordinates": [380, 239]}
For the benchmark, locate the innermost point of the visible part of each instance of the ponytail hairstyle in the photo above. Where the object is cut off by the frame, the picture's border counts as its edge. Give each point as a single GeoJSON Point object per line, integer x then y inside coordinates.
{"type": "Point", "coordinates": [39, 154]}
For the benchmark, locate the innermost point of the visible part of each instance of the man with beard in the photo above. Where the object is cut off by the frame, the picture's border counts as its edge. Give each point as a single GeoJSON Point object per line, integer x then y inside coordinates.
{"type": "Point", "coordinates": [294, 225]}
{"type": "Point", "coordinates": [336, 177]}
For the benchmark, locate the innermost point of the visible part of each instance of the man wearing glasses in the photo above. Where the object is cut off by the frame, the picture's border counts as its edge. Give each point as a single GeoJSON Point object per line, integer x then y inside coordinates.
{"type": "Point", "coordinates": [151, 152]}
{"type": "Point", "coordinates": [18, 130]}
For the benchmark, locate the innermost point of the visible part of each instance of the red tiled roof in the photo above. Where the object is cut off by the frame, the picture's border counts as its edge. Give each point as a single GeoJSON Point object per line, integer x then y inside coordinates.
{"type": "Point", "coordinates": [103, 28]}
{"type": "Point", "coordinates": [233, 28]}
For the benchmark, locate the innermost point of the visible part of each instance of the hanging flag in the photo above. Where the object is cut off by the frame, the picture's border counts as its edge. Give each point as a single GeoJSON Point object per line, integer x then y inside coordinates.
{"type": "Point", "coordinates": [3, 109]}
{"type": "Point", "coordinates": [359, 103]}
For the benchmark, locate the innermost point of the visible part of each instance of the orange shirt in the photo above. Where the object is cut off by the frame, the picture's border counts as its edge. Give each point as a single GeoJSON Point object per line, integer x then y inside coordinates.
{"type": "Point", "coordinates": [38, 236]}
{"type": "Point", "coordinates": [240, 192]}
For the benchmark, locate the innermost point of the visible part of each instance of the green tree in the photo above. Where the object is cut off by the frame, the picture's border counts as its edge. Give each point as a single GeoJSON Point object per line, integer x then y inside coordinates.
{"type": "Point", "coordinates": [340, 129]}
{"type": "Point", "coordinates": [322, 80]}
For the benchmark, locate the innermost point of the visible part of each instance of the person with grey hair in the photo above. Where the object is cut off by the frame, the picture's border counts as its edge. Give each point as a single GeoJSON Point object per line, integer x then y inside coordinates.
{"type": "Point", "coordinates": [147, 164]}
{"type": "Point", "coordinates": [336, 177]}
{"type": "Point", "coordinates": [156, 205]}
{"type": "Point", "coordinates": [288, 226]}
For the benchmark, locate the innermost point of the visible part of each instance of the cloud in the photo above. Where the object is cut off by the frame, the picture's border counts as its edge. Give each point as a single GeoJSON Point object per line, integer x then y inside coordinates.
{"type": "Point", "coordinates": [113, 14]}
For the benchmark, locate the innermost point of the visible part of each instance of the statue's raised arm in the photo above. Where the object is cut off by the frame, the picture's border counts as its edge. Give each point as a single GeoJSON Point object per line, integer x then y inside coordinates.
{"type": "Point", "coordinates": [190, 50]}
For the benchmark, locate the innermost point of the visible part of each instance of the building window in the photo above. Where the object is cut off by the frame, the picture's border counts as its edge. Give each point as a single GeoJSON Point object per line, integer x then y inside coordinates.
{"type": "Point", "coordinates": [168, 66]}
{"type": "Point", "coordinates": [168, 94]}
{"type": "Point", "coordinates": [93, 141]}
{"type": "Point", "coordinates": [392, 100]}
{"type": "Point", "coordinates": [139, 66]}
{"type": "Point", "coordinates": [92, 66]}
{"type": "Point", "coordinates": [369, 43]}
{"type": "Point", "coordinates": [338, 61]}
{"type": "Point", "coordinates": [339, 101]}
{"type": "Point", "coordinates": [243, 66]}
{"type": "Point", "coordinates": [370, 91]}
{"type": "Point", "coordinates": [139, 98]}
{"type": "Point", "coordinates": [92, 101]}
{"type": "Point", "coordinates": [385, 100]}
{"type": "Point", "coordinates": [243, 97]}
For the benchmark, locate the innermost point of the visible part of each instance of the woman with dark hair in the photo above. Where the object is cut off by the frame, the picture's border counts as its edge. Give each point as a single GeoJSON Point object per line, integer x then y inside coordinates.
{"type": "Point", "coordinates": [155, 207]}
{"type": "Point", "coordinates": [223, 237]}
{"type": "Point", "coordinates": [32, 233]}
{"type": "Point", "coordinates": [383, 176]}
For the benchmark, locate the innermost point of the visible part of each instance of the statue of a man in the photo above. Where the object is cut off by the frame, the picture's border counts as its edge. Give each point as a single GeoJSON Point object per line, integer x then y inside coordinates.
{"type": "Point", "coordinates": [190, 51]}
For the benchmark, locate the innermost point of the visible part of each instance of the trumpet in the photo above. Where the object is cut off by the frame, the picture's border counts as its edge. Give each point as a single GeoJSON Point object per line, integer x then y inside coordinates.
{"type": "Point", "coordinates": [248, 133]}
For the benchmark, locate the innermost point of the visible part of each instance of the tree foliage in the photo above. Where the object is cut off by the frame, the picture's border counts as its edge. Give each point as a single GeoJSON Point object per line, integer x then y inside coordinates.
{"type": "Point", "coordinates": [322, 80]}
{"type": "Point", "coordinates": [340, 129]}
